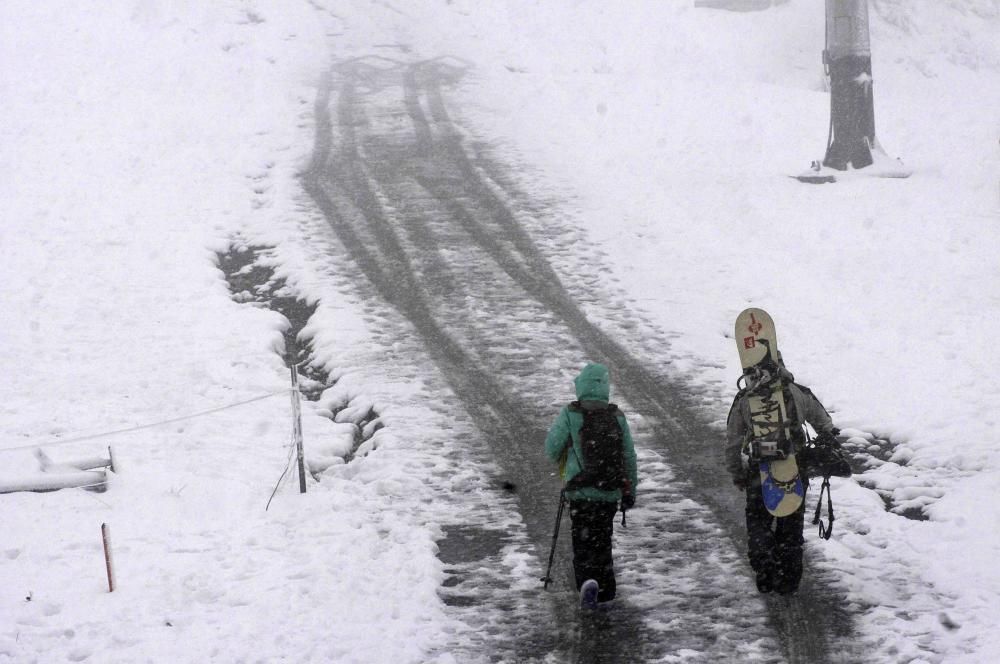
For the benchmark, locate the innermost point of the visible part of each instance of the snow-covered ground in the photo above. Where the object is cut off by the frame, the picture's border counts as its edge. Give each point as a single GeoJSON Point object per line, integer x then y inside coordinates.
{"type": "Point", "coordinates": [138, 138]}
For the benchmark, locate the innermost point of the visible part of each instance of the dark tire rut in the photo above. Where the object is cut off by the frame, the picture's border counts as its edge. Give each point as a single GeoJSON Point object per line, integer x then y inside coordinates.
{"type": "Point", "coordinates": [429, 226]}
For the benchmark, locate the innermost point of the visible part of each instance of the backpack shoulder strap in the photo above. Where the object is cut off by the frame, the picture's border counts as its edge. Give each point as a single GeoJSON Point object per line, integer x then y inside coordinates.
{"type": "Point", "coordinates": [575, 407]}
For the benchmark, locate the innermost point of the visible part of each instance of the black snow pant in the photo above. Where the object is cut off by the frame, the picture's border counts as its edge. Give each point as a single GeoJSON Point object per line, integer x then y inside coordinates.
{"type": "Point", "coordinates": [593, 525]}
{"type": "Point", "coordinates": [774, 544]}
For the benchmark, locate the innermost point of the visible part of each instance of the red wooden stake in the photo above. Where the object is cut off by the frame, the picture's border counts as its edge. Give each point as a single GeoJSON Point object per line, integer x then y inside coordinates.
{"type": "Point", "coordinates": [106, 536]}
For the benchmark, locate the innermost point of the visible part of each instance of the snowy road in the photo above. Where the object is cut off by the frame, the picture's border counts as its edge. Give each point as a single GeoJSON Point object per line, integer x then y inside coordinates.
{"type": "Point", "coordinates": [597, 186]}
{"type": "Point", "coordinates": [442, 237]}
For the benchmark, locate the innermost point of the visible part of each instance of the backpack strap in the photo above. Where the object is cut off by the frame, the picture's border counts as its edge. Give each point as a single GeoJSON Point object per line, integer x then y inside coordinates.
{"type": "Point", "coordinates": [577, 407]}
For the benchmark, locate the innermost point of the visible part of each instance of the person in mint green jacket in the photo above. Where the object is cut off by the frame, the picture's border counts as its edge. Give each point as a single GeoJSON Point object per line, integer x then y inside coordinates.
{"type": "Point", "coordinates": [595, 489]}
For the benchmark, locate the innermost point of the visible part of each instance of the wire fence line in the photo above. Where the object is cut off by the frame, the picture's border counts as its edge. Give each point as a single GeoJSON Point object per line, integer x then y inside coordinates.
{"type": "Point", "coordinates": [149, 425]}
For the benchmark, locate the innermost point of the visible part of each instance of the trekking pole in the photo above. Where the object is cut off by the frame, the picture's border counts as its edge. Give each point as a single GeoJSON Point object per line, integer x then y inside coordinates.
{"type": "Point", "coordinates": [555, 536]}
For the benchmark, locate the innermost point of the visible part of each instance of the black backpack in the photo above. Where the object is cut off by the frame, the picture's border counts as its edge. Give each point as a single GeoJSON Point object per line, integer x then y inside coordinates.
{"type": "Point", "coordinates": [603, 445]}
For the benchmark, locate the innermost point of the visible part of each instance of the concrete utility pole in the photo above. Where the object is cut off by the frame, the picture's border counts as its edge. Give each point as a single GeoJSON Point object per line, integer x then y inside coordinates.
{"type": "Point", "coordinates": [848, 59]}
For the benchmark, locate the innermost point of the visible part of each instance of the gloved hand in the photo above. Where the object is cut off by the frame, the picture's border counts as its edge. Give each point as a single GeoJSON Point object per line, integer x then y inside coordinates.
{"type": "Point", "coordinates": [828, 438]}
{"type": "Point", "coordinates": [628, 501]}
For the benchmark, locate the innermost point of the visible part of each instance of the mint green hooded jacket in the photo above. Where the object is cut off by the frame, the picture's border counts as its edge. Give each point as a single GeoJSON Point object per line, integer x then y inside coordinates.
{"type": "Point", "coordinates": [562, 444]}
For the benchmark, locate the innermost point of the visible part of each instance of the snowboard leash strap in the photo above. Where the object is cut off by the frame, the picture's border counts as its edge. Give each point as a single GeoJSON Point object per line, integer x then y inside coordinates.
{"type": "Point", "coordinates": [825, 531]}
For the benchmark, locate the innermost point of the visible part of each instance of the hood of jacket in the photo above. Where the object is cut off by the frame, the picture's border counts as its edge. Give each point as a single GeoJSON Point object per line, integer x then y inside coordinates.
{"type": "Point", "coordinates": [593, 383]}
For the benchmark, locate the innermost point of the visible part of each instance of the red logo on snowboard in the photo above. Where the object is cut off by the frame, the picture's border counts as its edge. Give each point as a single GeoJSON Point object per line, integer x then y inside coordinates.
{"type": "Point", "coordinates": [749, 342]}
{"type": "Point", "coordinates": [754, 327]}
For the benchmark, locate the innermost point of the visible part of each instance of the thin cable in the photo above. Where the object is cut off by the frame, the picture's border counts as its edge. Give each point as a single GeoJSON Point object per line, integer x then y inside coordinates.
{"type": "Point", "coordinates": [288, 464]}
{"type": "Point", "coordinates": [116, 432]}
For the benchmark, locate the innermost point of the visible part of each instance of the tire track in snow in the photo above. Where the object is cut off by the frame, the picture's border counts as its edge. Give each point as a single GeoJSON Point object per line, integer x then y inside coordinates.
{"type": "Point", "coordinates": [433, 234]}
{"type": "Point", "coordinates": [343, 192]}
{"type": "Point", "coordinates": [802, 624]}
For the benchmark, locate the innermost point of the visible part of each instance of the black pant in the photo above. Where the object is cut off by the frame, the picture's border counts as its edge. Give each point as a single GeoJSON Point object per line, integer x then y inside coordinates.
{"type": "Point", "coordinates": [593, 525]}
{"type": "Point", "coordinates": [774, 544]}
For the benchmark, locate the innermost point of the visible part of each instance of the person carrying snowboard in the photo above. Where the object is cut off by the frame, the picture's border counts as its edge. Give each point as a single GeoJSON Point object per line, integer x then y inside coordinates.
{"type": "Point", "coordinates": [591, 442]}
{"type": "Point", "coordinates": [774, 543]}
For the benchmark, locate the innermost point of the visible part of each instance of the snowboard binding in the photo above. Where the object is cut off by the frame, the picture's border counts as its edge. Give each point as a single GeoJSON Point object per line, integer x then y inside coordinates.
{"type": "Point", "coordinates": [755, 380]}
{"type": "Point", "coordinates": [768, 450]}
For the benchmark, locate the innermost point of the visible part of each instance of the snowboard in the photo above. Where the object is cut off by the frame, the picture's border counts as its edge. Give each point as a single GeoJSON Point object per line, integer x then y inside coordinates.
{"type": "Point", "coordinates": [757, 343]}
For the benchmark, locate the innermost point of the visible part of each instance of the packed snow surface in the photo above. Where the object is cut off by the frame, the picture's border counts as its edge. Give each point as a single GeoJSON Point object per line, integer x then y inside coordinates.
{"type": "Point", "coordinates": [139, 138]}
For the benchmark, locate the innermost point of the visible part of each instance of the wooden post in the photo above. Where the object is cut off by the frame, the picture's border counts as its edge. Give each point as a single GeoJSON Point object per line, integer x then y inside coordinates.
{"type": "Point", "coordinates": [297, 427]}
{"type": "Point", "coordinates": [106, 536]}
